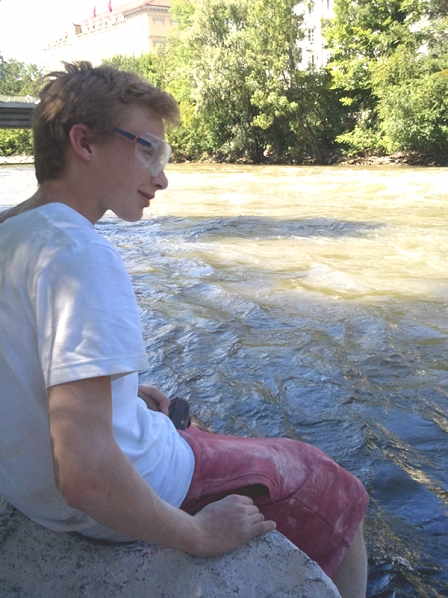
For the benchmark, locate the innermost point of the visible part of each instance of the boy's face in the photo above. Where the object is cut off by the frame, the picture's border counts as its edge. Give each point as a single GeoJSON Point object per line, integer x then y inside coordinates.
{"type": "Point", "coordinates": [124, 183]}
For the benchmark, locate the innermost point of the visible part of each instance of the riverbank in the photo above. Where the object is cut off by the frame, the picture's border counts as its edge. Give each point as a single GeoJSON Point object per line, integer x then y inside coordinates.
{"type": "Point", "coordinates": [16, 159]}
{"type": "Point", "coordinates": [334, 158]}
{"type": "Point", "coordinates": [398, 159]}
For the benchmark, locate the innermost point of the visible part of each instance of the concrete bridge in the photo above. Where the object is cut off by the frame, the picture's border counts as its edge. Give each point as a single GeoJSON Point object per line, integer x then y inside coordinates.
{"type": "Point", "coordinates": [16, 112]}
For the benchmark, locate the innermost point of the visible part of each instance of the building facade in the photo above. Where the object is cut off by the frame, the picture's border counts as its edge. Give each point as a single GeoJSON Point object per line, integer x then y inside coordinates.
{"type": "Point", "coordinates": [132, 29]}
{"type": "Point", "coordinates": [313, 46]}
{"type": "Point", "coordinates": [140, 26]}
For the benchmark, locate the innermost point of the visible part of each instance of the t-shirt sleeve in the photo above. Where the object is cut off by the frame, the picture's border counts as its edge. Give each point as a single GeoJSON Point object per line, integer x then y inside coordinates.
{"type": "Point", "coordinates": [87, 317]}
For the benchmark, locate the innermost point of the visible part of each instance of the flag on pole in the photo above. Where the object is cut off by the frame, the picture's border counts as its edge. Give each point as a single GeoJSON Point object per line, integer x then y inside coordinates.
{"type": "Point", "coordinates": [109, 6]}
{"type": "Point", "coordinates": [94, 11]}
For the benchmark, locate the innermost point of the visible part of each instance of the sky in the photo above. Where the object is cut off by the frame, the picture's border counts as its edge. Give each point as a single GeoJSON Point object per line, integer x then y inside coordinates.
{"type": "Point", "coordinates": [27, 26]}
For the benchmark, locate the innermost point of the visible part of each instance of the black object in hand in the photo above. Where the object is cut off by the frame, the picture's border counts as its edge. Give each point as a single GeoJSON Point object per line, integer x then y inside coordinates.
{"type": "Point", "coordinates": [179, 411]}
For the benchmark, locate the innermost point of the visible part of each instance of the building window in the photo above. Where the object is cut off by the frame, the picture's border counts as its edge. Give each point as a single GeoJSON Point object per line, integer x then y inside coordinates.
{"type": "Point", "coordinates": [311, 35]}
{"type": "Point", "coordinates": [159, 26]}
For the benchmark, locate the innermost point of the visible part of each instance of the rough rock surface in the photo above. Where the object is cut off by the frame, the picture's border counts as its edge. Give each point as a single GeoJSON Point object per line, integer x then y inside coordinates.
{"type": "Point", "coordinates": [38, 563]}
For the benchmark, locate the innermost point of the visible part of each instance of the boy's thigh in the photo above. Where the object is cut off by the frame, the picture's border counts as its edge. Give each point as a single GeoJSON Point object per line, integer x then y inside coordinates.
{"type": "Point", "coordinates": [315, 503]}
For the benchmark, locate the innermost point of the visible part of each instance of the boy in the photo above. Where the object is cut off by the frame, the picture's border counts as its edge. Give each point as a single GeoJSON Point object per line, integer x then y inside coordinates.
{"type": "Point", "coordinates": [79, 448]}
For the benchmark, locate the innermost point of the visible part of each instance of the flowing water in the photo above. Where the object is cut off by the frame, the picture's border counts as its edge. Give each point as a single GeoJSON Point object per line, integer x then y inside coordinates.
{"type": "Point", "coordinates": [309, 303]}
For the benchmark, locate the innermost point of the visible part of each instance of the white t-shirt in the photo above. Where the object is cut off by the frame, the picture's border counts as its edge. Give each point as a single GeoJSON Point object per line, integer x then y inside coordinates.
{"type": "Point", "coordinates": [68, 312]}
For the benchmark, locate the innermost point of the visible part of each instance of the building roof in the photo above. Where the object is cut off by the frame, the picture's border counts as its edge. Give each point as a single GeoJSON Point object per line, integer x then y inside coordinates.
{"type": "Point", "coordinates": [99, 22]}
{"type": "Point", "coordinates": [131, 7]}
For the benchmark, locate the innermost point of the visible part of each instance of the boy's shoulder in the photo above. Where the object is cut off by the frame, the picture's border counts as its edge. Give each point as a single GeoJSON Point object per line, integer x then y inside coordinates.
{"type": "Point", "coordinates": [52, 232]}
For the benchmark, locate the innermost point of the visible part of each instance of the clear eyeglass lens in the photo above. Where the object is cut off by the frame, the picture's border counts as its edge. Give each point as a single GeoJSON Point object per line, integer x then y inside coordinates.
{"type": "Point", "coordinates": [154, 154]}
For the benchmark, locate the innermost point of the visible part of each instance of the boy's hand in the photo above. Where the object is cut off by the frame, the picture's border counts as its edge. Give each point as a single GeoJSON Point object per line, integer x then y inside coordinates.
{"type": "Point", "coordinates": [154, 398]}
{"type": "Point", "coordinates": [229, 523]}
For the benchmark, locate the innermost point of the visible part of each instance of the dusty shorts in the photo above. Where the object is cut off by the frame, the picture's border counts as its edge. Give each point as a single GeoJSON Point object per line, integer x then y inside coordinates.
{"type": "Point", "coordinates": [315, 503]}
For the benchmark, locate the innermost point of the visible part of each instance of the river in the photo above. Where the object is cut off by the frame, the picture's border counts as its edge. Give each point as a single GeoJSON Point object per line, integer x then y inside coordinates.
{"type": "Point", "coordinates": [311, 303]}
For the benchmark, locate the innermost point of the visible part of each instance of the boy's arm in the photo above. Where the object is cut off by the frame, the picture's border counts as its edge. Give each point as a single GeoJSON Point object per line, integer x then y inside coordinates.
{"type": "Point", "coordinates": [94, 475]}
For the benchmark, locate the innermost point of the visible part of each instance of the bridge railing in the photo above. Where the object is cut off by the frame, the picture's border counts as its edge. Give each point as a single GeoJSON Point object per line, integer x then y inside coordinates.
{"type": "Point", "coordinates": [16, 111]}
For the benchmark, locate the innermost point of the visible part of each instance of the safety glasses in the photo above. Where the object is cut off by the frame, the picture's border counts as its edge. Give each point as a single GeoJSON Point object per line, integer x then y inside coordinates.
{"type": "Point", "coordinates": [153, 152]}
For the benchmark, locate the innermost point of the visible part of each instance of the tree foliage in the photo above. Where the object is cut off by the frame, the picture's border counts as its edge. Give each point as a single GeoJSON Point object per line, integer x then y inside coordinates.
{"type": "Point", "coordinates": [234, 67]}
{"type": "Point", "coordinates": [390, 59]}
{"type": "Point", "coordinates": [412, 89]}
{"type": "Point", "coordinates": [15, 142]}
{"type": "Point", "coordinates": [18, 79]}
{"type": "Point", "coordinates": [246, 88]}
{"type": "Point", "coordinates": [146, 66]}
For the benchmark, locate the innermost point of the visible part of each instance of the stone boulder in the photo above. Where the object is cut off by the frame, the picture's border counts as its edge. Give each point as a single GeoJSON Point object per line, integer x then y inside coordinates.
{"type": "Point", "coordinates": [38, 563]}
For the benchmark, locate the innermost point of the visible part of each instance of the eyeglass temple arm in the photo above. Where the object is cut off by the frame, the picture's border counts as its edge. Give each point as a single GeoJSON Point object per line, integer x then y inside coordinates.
{"type": "Point", "coordinates": [131, 136]}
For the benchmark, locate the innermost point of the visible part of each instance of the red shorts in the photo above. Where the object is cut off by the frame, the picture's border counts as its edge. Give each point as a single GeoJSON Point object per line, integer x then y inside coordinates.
{"type": "Point", "coordinates": [315, 503]}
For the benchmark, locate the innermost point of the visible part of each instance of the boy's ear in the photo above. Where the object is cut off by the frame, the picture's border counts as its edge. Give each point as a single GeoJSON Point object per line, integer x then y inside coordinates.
{"type": "Point", "coordinates": [80, 141]}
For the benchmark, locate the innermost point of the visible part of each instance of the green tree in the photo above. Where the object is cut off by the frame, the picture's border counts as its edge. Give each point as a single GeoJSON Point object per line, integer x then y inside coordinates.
{"type": "Point", "coordinates": [438, 8]}
{"type": "Point", "coordinates": [247, 91]}
{"type": "Point", "coordinates": [221, 92]}
{"type": "Point", "coordinates": [362, 32]}
{"type": "Point", "coordinates": [384, 62]}
{"type": "Point", "coordinates": [412, 88]}
{"type": "Point", "coordinates": [147, 66]}
{"type": "Point", "coordinates": [295, 106]}
{"type": "Point", "coordinates": [16, 142]}
{"type": "Point", "coordinates": [19, 79]}
{"type": "Point", "coordinates": [192, 139]}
